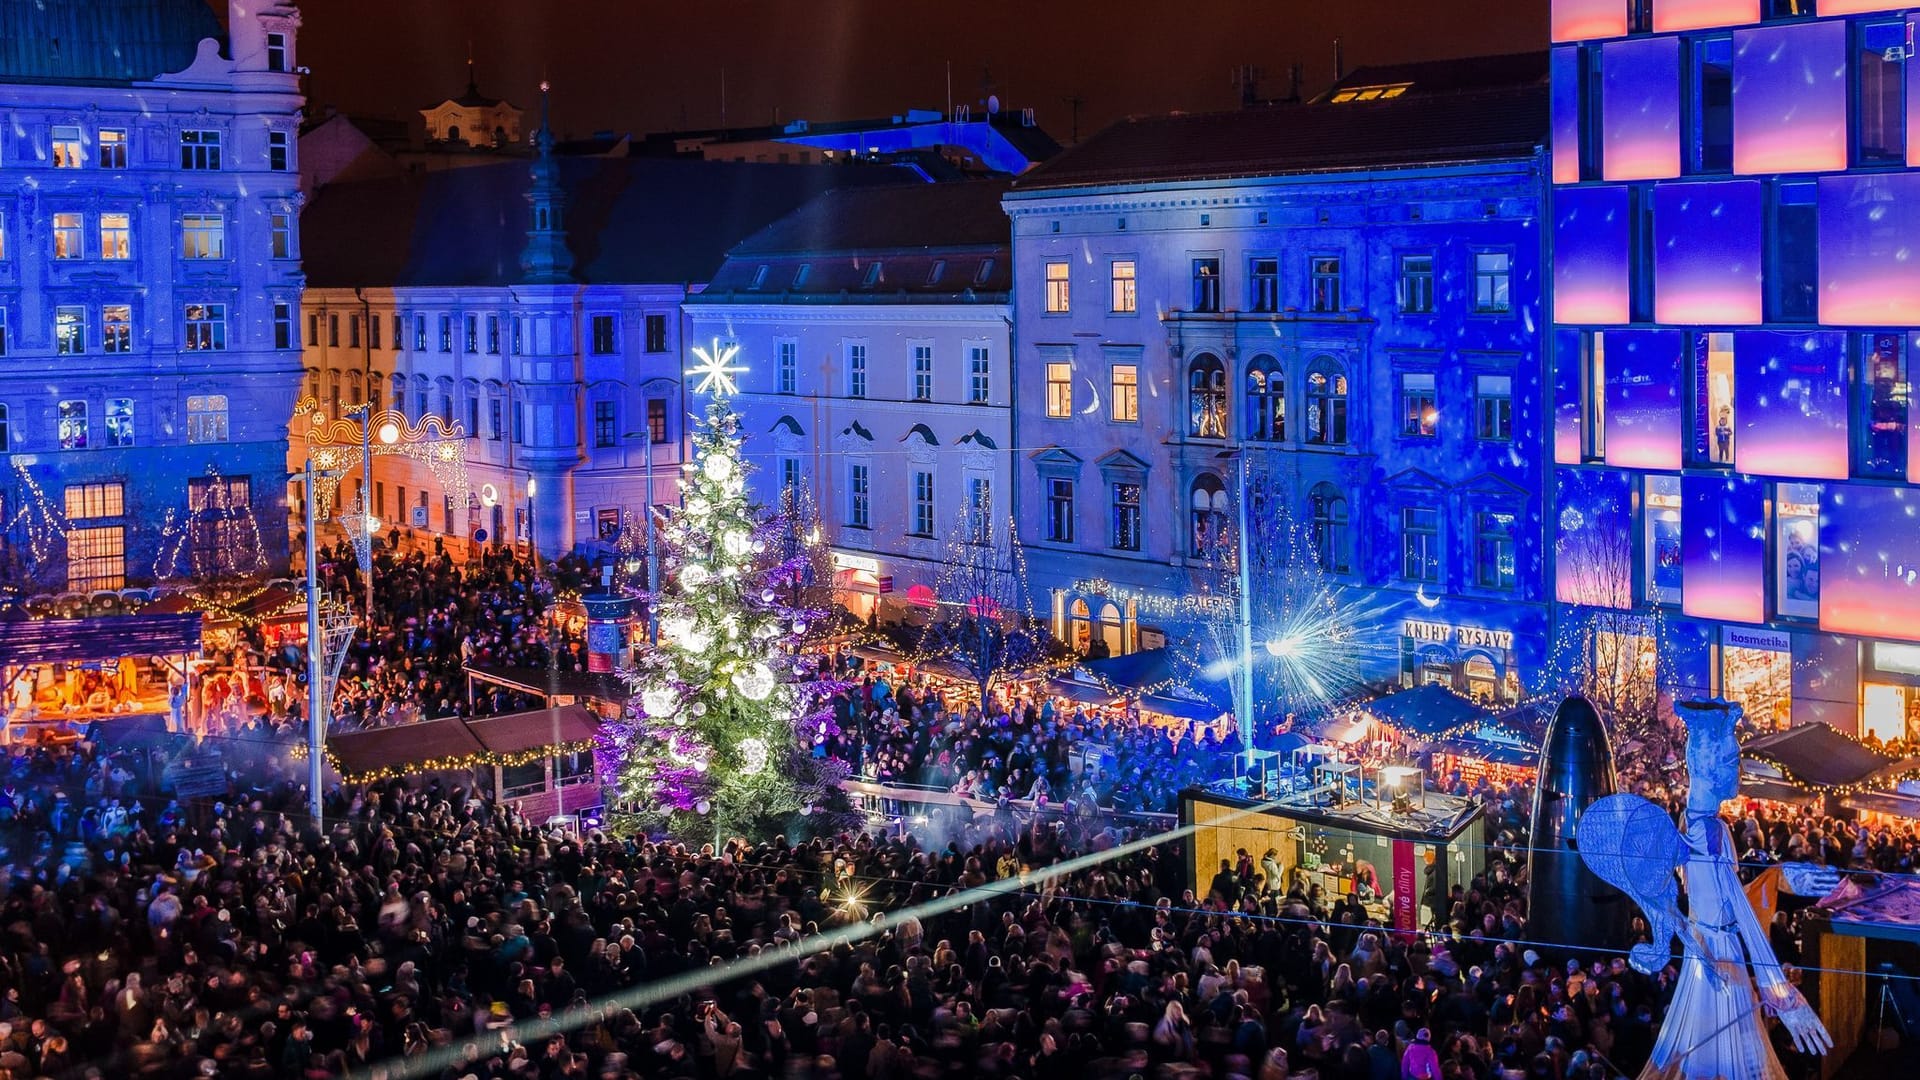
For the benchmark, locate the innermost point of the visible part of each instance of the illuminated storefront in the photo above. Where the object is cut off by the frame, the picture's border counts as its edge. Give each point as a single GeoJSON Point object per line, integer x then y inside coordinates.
{"type": "Point", "coordinates": [858, 583]}
{"type": "Point", "coordinates": [1890, 691]}
{"type": "Point", "coordinates": [1477, 662]}
{"type": "Point", "coordinates": [1756, 670]}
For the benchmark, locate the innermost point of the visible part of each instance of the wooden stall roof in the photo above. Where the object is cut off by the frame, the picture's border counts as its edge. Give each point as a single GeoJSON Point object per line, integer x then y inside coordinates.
{"type": "Point", "coordinates": [519, 733]}
{"type": "Point", "coordinates": [454, 743]}
{"type": "Point", "coordinates": [598, 685]}
{"type": "Point", "coordinates": [101, 637]}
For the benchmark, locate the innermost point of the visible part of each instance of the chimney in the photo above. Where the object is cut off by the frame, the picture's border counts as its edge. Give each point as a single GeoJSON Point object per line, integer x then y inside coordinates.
{"type": "Point", "coordinates": [1294, 75]}
{"type": "Point", "coordinates": [1339, 67]}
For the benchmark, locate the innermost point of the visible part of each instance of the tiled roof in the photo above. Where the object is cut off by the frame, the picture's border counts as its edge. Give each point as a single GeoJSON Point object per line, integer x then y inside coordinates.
{"type": "Point", "coordinates": [629, 220]}
{"type": "Point", "coordinates": [1506, 71]}
{"type": "Point", "coordinates": [929, 242]}
{"type": "Point", "coordinates": [1281, 139]}
{"type": "Point", "coordinates": [101, 41]}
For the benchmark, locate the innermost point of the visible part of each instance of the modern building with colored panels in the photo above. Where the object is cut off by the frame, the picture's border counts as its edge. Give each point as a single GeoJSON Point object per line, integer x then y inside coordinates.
{"type": "Point", "coordinates": [1736, 308]}
{"type": "Point", "coordinates": [149, 287]}
{"type": "Point", "coordinates": [1342, 297]}
{"type": "Point", "coordinates": [874, 327]}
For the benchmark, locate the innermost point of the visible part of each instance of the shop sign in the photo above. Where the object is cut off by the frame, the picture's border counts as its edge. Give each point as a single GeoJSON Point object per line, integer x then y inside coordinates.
{"type": "Point", "coordinates": [1746, 637]}
{"type": "Point", "coordinates": [844, 561]}
{"type": "Point", "coordinates": [1467, 637]}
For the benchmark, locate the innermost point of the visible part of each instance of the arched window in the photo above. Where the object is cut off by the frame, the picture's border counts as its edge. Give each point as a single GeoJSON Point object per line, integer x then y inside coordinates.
{"type": "Point", "coordinates": [1326, 403]}
{"type": "Point", "coordinates": [453, 132]}
{"type": "Point", "coordinates": [1332, 541]}
{"type": "Point", "coordinates": [1266, 400]}
{"type": "Point", "coordinates": [1110, 629]}
{"type": "Point", "coordinates": [1209, 515]}
{"type": "Point", "coordinates": [1207, 397]}
{"type": "Point", "coordinates": [1082, 637]}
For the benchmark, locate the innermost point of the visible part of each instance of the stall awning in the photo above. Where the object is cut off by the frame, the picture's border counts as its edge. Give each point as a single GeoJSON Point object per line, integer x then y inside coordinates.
{"type": "Point", "coordinates": [1200, 711]}
{"type": "Point", "coordinates": [453, 743]}
{"type": "Point", "coordinates": [1427, 712]}
{"type": "Point", "coordinates": [1084, 693]}
{"type": "Point", "coordinates": [102, 637]}
{"type": "Point", "coordinates": [1497, 752]}
{"type": "Point", "coordinates": [597, 685]}
{"type": "Point", "coordinates": [1152, 671]}
{"type": "Point", "coordinates": [1817, 756]}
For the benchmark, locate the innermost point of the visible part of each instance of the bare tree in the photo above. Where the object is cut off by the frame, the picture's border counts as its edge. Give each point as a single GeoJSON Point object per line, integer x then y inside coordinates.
{"type": "Point", "coordinates": [983, 618]}
{"type": "Point", "coordinates": [1609, 653]}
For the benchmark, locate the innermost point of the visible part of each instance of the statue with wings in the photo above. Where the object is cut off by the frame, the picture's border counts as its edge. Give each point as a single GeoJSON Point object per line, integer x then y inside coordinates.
{"type": "Point", "coordinates": [1714, 1027]}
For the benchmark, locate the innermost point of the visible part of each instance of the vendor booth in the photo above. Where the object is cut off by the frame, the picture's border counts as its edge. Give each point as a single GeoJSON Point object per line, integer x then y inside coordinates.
{"type": "Point", "coordinates": [1819, 762]}
{"type": "Point", "coordinates": [61, 674]}
{"type": "Point", "coordinates": [540, 762]}
{"type": "Point", "coordinates": [1458, 739]}
{"type": "Point", "coordinates": [605, 692]}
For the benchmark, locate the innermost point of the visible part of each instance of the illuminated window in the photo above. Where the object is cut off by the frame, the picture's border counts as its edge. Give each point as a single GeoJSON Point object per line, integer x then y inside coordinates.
{"type": "Point", "coordinates": [1126, 393]}
{"type": "Point", "coordinates": [656, 420]}
{"type": "Point", "coordinates": [1126, 517]}
{"type": "Point", "coordinates": [1416, 284]}
{"type": "Point", "coordinates": [206, 328]}
{"type": "Point", "coordinates": [1125, 299]}
{"type": "Point", "coordinates": [67, 239]}
{"type": "Point", "coordinates": [1263, 276]}
{"type": "Point", "coordinates": [1060, 510]}
{"type": "Point", "coordinates": [1266, 400]}
{"type": "Point", "coordinates": [856, 370]}
{"type": "Point", "coordinates": [1796, 550]}
{"type": "Point", "coordinates": [1326, 403]}
{"type": "Point", "coordinates": [116, 328]}
{"type": "Point", "coordinates": [73, 426]}
{"type": "Point", "coordinates": [96, 558]}
{"type": "Point", "coordinates": [66, 147]}
{"type": "Point", "coordinates": [1206, 285]}
{"type": "Point", "coordinates": [1493, 407]}
{"type": "Point", "coordinates": [119, 422]}
{"type": "Point", "coordinates": [1207, 397]}
{"type": "Point", "coordinates": [1885, 405]}
{"type": "Point", "coordinates": [419, 333]}
{"type": "Point", "coordinates": [1207, 516]}
{"type": "Point", "coordinates": [922, 504]}
{"type": "Point", "coordinates": [1324, 283]}
{"type": "Point", "coordinates": [1419, 405]}
{"type": "Point", "coordinates": [207, 418]}
{"type": "Point", "coordinates": [112, 148]}
{"type": "Point", "coordinates": [923, 373]}
{"type": "Point", "coordinates": [1492, 282]}
{"type": "Point", "coordinates": [979, 510]}
{"type": "Point", "coordinates": [1059, 390]}
{"type": "Point", "coordinates": [200, 150]}
{"type": "Point", "coordinates": [787, 366]}
{"type": "Point", "coordinates": [116, 236]}
{"type": "Point", "coordinates": [69, 330]}
{"type": "Point", "coordinates": [1059, 289]}
{"type": "Point", "coordinates": [1879, 101]}
{"type": "Point", "coordinates": [1493, 559]}
{"type": "Point", "coordinates": [858, 496]}
{"type": "Point", "coordinates": [203, 236]}
{"type": "Point", "coordinates": [1661, 540]}
{"type": "Point", "coordinates": [87, 502]}
{"type": "Point", "coordinates": [979, 374]}
{"type": "Point", "coordinates": [1420, 544]}
{"type": "Point", "coordinates": [1593, 396]}
{"type": "Point", "coordinates": [1713, 395]}
{"type": "Point", "coordinates": [446, 333]}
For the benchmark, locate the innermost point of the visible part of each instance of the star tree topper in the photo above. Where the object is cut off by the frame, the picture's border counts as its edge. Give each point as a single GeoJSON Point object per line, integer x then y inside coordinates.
{"type": "Point", "coordinates": [716, 369]}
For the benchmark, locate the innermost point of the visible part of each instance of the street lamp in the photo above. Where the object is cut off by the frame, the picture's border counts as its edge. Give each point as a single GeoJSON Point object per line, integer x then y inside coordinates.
{"type": "Point", "coordinates": [326, 647]}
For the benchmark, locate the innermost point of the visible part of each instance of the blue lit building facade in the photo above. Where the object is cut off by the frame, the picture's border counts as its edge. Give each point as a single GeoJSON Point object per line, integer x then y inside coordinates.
{"type": "Point", "coordinates": [149, 287]}
{"type": "Point", "coordinates": [1734, 208]}
{"type": "Point", "coordinates": [1344, 295]}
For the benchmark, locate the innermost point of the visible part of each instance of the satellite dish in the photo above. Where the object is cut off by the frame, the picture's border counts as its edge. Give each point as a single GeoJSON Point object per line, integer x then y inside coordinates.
{"type": "Point", "coordinates": [993, 104]}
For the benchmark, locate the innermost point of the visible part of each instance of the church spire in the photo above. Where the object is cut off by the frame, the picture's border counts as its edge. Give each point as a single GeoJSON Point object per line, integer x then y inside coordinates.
{"type": "Point", "coordinates": [546, 260]}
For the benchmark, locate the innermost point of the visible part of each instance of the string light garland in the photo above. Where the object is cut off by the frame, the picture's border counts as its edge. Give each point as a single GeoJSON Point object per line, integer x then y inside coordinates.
{"type": "Point", "coordinates": [43, 524]}
{"type": "Point", "coordinates": [335, 446]}
{"type": "Point", "coordinates": [451, 763]}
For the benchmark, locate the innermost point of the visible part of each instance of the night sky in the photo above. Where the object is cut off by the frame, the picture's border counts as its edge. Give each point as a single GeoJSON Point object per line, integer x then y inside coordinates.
{"type": "Point", "coordinates": [646, 65]}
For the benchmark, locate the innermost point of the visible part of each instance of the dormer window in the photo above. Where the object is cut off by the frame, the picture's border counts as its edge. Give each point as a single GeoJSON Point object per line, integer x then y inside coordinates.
{"type": "Point", "coordinates": [873, 276]}
{"type": "Point", "coordinates": [759, 278]}
{"type": "Point", "coordinates": [800, 275]}
{"type": "Point", "coordinates": [939, 268]}
{"type": "Point", "coordinates": [985, 272]}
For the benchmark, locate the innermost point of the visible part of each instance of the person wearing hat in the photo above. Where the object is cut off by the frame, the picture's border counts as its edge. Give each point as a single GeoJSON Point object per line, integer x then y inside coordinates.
{"type": "Point", "coordinates": [1420, 1062]}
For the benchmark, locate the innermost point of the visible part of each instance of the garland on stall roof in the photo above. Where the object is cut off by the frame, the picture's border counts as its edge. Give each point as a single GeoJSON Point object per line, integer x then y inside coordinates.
{"type": "Point", "coordinates": [450, 763]}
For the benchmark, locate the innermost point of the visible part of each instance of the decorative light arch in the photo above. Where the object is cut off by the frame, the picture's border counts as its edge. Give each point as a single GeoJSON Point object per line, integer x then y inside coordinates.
{"type": "Point", "coordinates": [335, 446]}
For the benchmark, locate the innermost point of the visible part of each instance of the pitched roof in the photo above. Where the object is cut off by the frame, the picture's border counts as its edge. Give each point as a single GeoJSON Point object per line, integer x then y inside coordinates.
{"type": "Point", "coordinates": [958, 214]}
{"type": "Point", "coordinates": [1414, 129]}
{"type": "Point", "coordinates": [101, 41]}
{"type": "Point", "coordinates": [629, 220]}
{"type": "Point", "coordinates": [1425, 77]}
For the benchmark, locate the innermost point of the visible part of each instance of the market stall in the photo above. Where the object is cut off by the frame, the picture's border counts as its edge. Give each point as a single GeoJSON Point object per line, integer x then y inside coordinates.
{"type": "Point", "coordinates": [61, 674]}
{"type": "Point", "coordinates": [540, 762]}
{"type": "Point", "coordinates": [1821, 762]}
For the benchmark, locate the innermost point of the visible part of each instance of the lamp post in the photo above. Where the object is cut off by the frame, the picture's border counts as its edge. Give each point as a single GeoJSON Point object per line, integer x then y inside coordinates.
{"type": "Point", "coordinates": [317, 705]}
{"type": "Point", "coordinates": [365, 411]}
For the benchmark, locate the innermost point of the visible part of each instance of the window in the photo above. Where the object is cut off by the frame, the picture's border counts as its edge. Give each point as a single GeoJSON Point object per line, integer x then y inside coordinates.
{"type": "Point", "coordinates": [516, 331]}
{"type": "Point", "coordinates": [373, 330]}
{"type": "Point", "coordinates": [1208, 516]}
{"type": "Point", "coordinates": [283, 325]}
{"type": "Point", "coordinates": [656, 334]}
{"type": "Point", "coordinates": [96, 558]}
{"type": "Point", "coordinates": [206, 327]}
{"type": "Point", "coordinates": [1206, 285]}
{"type": "Point", "coordinates": [922, 504]}
{"type": "Point", "coordinates": [116, 328]}
{"type": "Point", "coordinates": [519, 421]}
{"type": "Point", "coordinates": [277, 151]}
{"type": "Point", "coordinates": [1207, 397]}
{"type": "Point", "coordinates": [494, 411]}
{"type": "Point", "coordinates": [979, 374]}
{"type": "Point", "coordinates": [1493, 566]}
{"type": "Point", "coordinates": [207, 418]}
{"type": "Point", "coordinates": [1419, 409]}
{"type": "Point", "coordinates": [353, 331]}
{"type": "Point", "coordinates": [446, 401]}
{"type": "Point", "coordinates": [1265, 276]}
{"type": "Point", "coordinates": [112, 148]}
{"type": "Point", "coordinates": [90, 502]}
{"type": "Point", "coordinates": [1711, 148]}
{"type": "Point", "coordinates": [493, 335]}
{"type": "Point", "coordinates": [116, 236]}
{"type": "Point", "coordinates": [420, 398]}
{"type": "Point", "coordinates": [857, 496]}
{"type": "Point", "coordinates": [119, 421]}
{"type": "Point", "coordinates": [67, 240]}
{"type": "Point", "coordinates": [200, 149]}
{"type": "Point", "coordinates": [1059, 390]}
{"type": "Point", "coordinates": [1126, 517]}
{"type": "Point", "coordinates": [789, 475]}
{"type": "Point", "coordinates": [276, 52]}
{"type": "Point", "coordinates": [73, 425]}
{"type": "Point", "coordinates": [656, 420]}
{"type": "Point", "coordinates": [6, 429]}
{"type": "Point", "coordinates": [1060, 510]}
{"type": "Point", "coordinates": [66, 147]}
{"type": "Point", "coordinates": [3, 336]}
{"type": "Point", "coordinates": [471, 325]}
{"type": "Point", "coordinates": [1713, 396]}
{"type": "Point", "coordinates": [603, 423]}
{"type": "Point", "coordinates": [1324, 283]}
{"type": "Point", "coordinates": [419, 333]}
{"type": "Point", "coordinates": [1059, 288]}
{"type": "Point", "coordinates": [217, 509]}
{"type": "Point", "coordinates": [1416, 284]}
{"type": "Point", "coordinates": [280, 241]}
{"type": "Point", "coordinates": [69, 330]}
{"type": "Point", "coordinates": [1662, 540]}
{"type": "Point", "coordinates": [1331, 543]}
{"type": "Point", "coordinates": [603, 335]}
{"type": "Point", "coordinates": [979, 510]}
{"type": "Point", "coordinates": [1492, 282]}
{"type": "Point", "coordinates": [938, 271]}
{"type": "Point", "coordinates": [873, 275]}
{"type": "Point", "coordinates": [1326, 404]}
{"type": "Point", "coordinates": [203, 236]}
{"type": "Point", "coordinates": [1879, 100]}
{"type": "Point", "coordinates": [1126, 393]}
{"type": "Point", "coordinates": [1125, 298]}
{"type": "Point", "coordinates": [981, 275]}
{"type": "Point", "coordinates": [472, 396]}
{"type": "Point", "coordinates": [333, 331]}
{"type": "Point", "coordinates": [446, 333]}
{"type": "Point", "coordinates": [1493, 407]}
{"type": "Point", "coordinates": [1266, 400]}
{"type": "Point", "coordinates": [923, 373]}
{"type": "Point", "coordinates": [787, 363]}
{"type": "Point", "coordinates": [1420, 543]}
{"type": "Point", "coordinates": [1796, 546]}
{"type": "Point", "coordinates": [1885, 398]}
{"type": "Point", "coordinates": [856, 370]}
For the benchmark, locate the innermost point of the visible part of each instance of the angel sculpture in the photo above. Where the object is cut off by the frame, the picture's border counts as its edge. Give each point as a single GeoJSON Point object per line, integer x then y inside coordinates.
{"type": "Point", "coordinates": [1713, 1028]}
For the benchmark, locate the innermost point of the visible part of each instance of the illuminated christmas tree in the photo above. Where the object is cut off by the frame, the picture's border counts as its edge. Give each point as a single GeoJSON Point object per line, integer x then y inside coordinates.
{"type": "Point", "coordinates": [726, 709]}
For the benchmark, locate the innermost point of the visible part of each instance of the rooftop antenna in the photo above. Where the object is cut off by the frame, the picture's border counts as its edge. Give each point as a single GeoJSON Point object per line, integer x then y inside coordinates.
{"type": "Point", "coordinates": [1339, 66]}
{"type": "Point", "coordinates": [1246, 79]}
{"type": "Point", "coordinates": [949, 91]}
{"type": "Point", "coordinates": [1295, 74]}
{"type": "Point", "coordinates": [471, 82]}
{"type": "Point", "coordinates": [723, 98]}
{"type": "Point", "coordinates": [1074, 101]}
